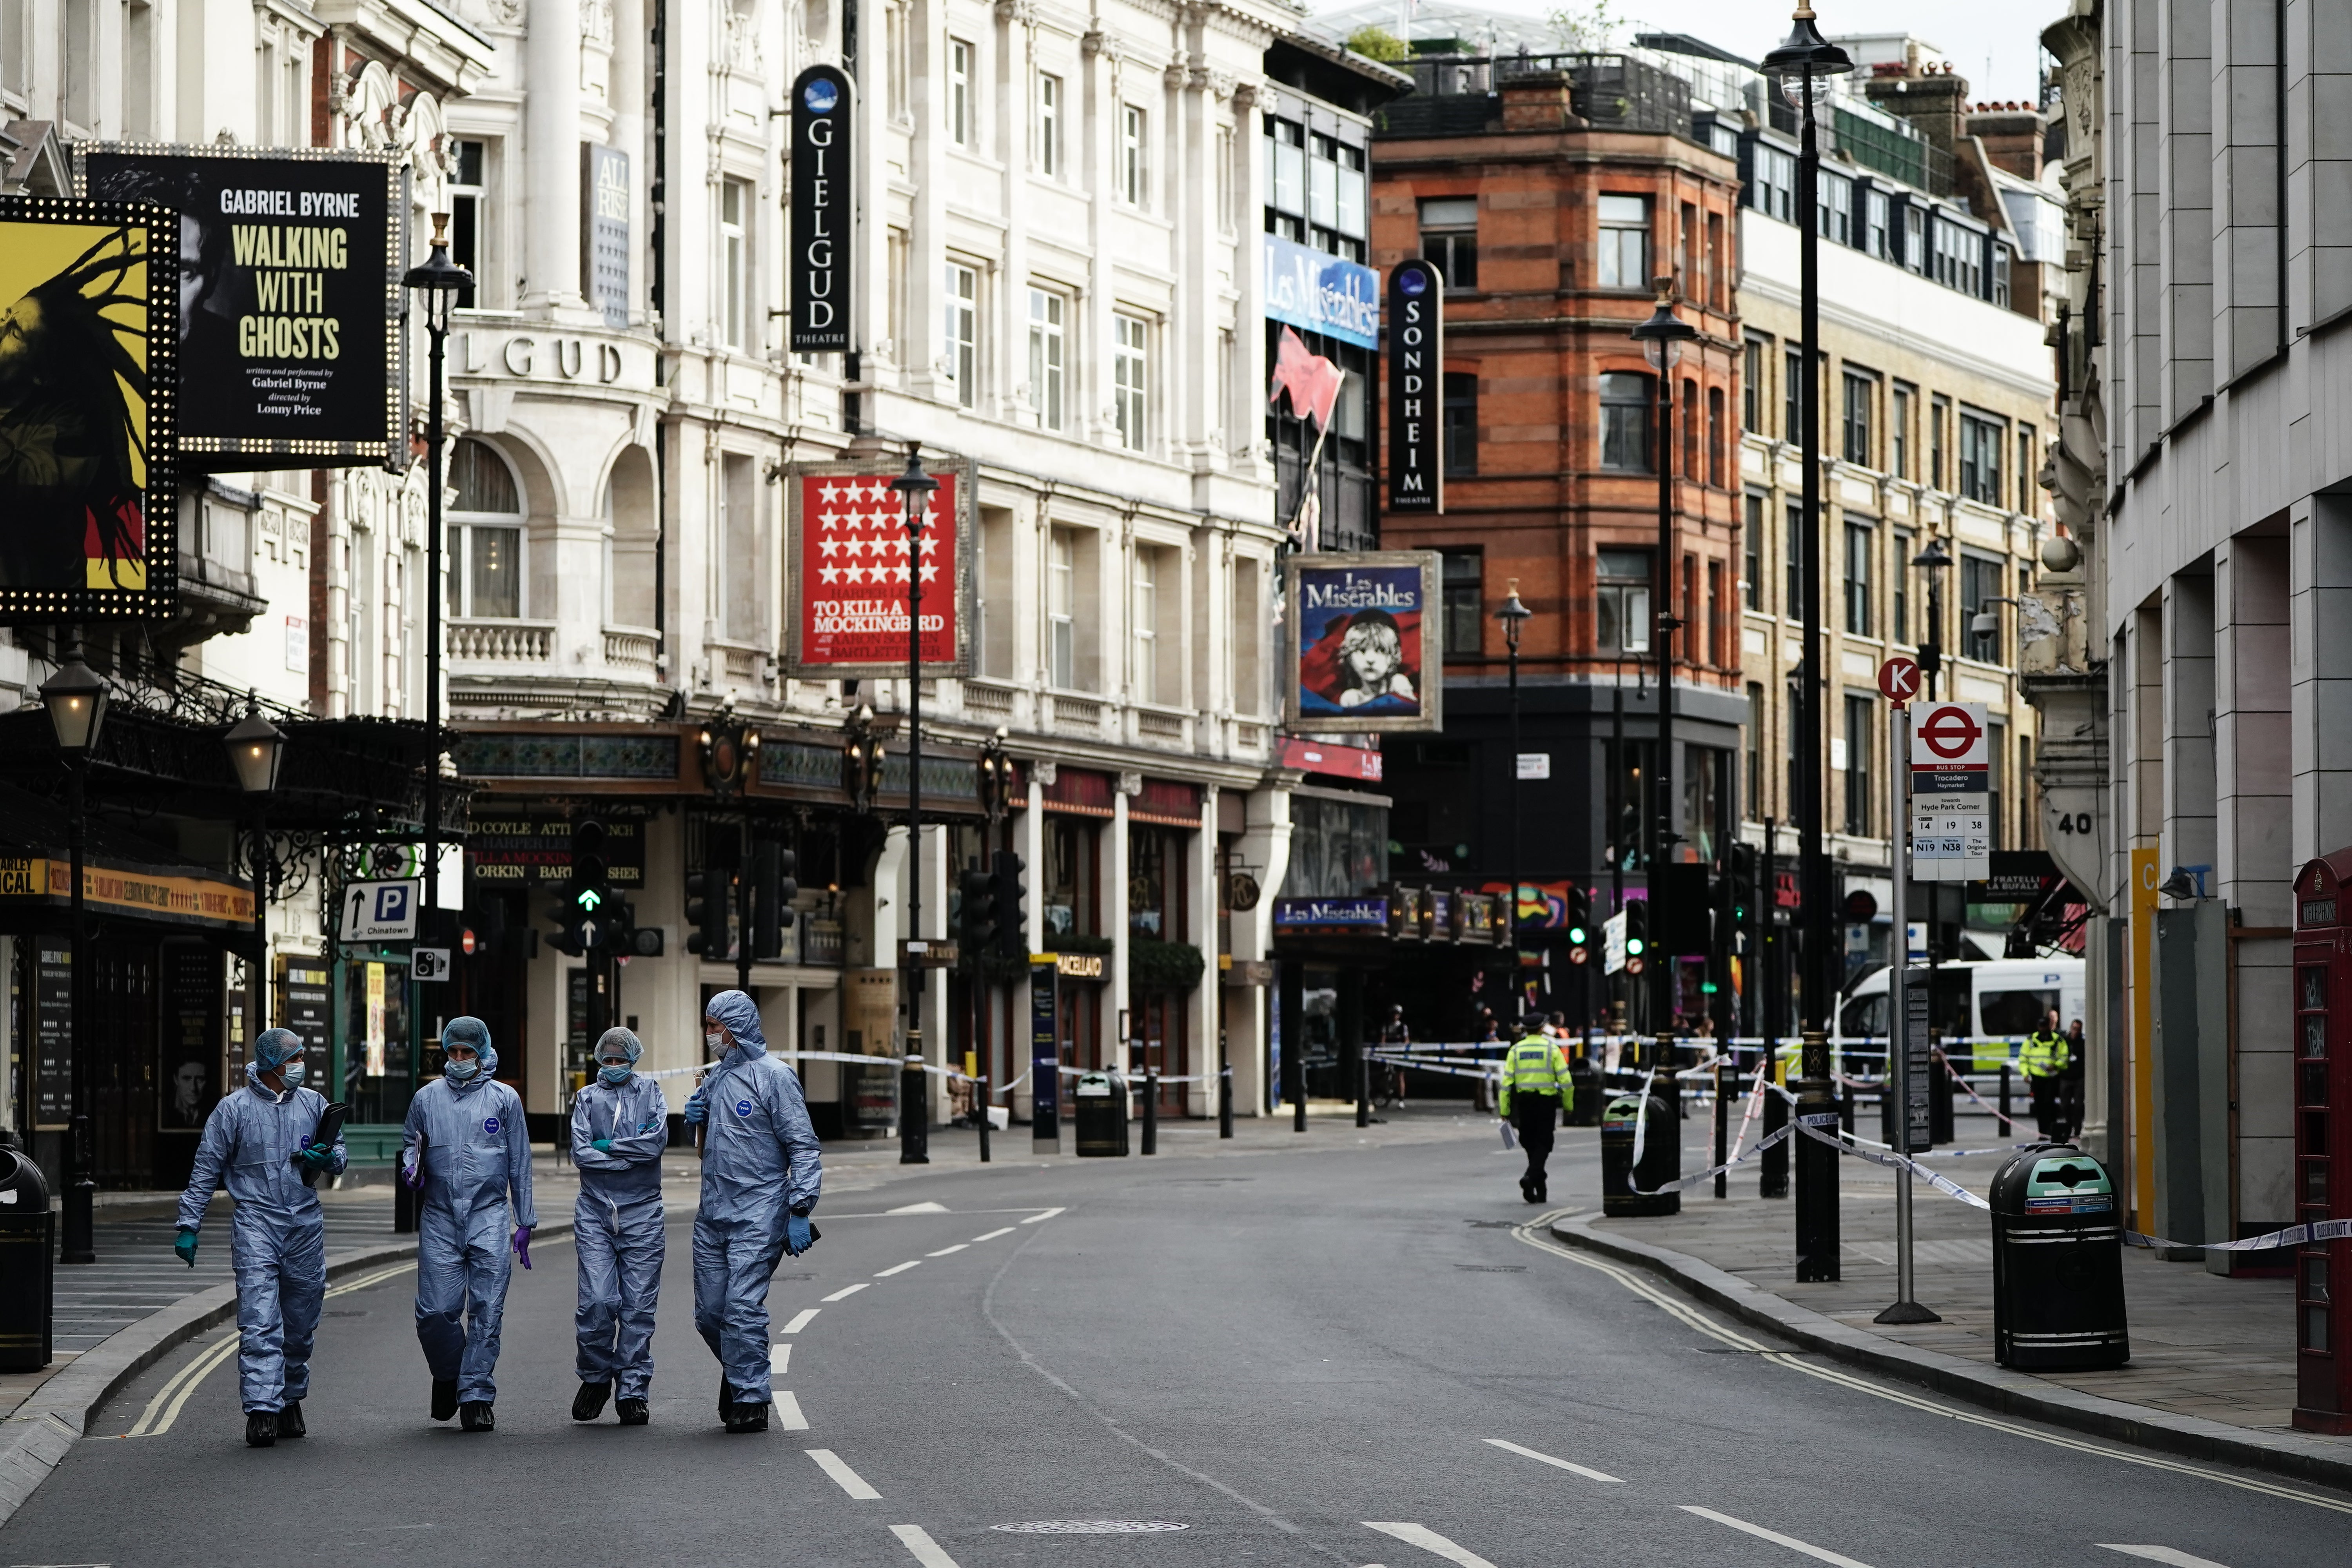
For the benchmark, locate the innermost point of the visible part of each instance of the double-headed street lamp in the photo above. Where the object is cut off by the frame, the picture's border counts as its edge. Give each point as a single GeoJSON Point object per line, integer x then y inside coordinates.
{"type": "Point", "coordinates": [256, 748]}
{"type": "Point", "coordinates": [1661, 338]}
{"type": "Point", "coordinates": [76, 699]}
{"type": "Point", "coordinates": [914, 488]}
{"type": "Point", "coordinates": [1801, 65]}
{"type": "Point", "coordinates": [1513, 615]}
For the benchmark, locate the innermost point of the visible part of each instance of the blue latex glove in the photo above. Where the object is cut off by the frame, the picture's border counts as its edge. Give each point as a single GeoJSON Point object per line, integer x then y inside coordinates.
{"type": "Point", "coordinates": [697, 1112]}
{"type": "Point", "coordinates": [603, 1145]}
{"type": "Point", "coordinates": [796, 1234]}
{"type": "Point", "coordinates": [318, 1156]}
{"type": "Point", "coordinates": [522, 1244]}
{"type": "Point", "coordinates": [184, 1244]}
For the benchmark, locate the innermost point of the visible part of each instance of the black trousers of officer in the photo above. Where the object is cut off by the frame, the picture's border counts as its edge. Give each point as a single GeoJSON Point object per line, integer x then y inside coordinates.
{"type": "Point", "coordinates": [2049, 1105]}
{"type": "Point", "coordinates": [1535, 1115]}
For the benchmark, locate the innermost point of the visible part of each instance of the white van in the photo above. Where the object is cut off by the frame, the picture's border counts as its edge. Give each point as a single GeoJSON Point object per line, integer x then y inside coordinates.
{"type": "Point", "coordinates": [1996, 1002]}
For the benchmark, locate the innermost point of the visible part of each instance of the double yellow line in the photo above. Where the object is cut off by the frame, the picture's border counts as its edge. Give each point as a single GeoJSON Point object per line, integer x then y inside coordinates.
{"type": "Point", "coordinates": [172, 1397]}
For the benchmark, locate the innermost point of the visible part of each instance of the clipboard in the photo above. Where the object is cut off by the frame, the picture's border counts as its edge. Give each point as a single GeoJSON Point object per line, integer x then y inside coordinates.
{"type": "Point", "coordinates": [329, 1127]}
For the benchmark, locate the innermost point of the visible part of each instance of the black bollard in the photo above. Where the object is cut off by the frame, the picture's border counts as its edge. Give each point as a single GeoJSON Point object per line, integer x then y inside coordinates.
{"type": "Point", "coordinates": [1722, 1134]}
{"type": "Point", "coordinates": [1150, 1110]}
{"type": "Point", "coordinates": [1225, 1100]}
{"type": "Point", "coordinates": [914, 1115]}
{"type": "Point", "coordinates": [980, 1107]}
{"type": "Point", "coordinates": [1363, 1087]}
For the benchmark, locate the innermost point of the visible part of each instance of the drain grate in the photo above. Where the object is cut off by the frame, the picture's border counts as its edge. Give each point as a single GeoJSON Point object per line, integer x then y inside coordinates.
{"type": "Point", "coordinates": [1492, 1267]}
{"type": "Point", "coordinates": [1089, 1527]}
{"type": "Point", "coordinates": [1489, 1224]}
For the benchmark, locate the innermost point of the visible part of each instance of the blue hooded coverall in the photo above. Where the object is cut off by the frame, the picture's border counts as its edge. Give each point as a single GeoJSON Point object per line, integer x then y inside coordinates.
{"type": "Point", "coordinates": [277, 1234]}
{"type": "Point", "coordinates": [475, 1153]}
{"type": "Point", "coordinates": [760, 1163]}
{"type": "Point", "coordinates": [616, 1228]}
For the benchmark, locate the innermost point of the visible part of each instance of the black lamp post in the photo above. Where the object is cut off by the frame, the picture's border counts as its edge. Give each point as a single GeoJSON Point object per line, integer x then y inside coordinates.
{"type": "Point", "coordinates": [438, 283]}
{"type": "Point", "coordinates": [1935, 563]}
{"type": "Point", "coordinates": [76, 699]}
{"type": "Point", "coordinates": [1802, 62]}
{"type": "Point", "coordinates": [256, 748]}
{"type": "Point", "coordinates": [1514, 615]}
{"type": "Point", "coordinates": [1661, 338]}
{"type": "Point", "coordinates": [914, 488]}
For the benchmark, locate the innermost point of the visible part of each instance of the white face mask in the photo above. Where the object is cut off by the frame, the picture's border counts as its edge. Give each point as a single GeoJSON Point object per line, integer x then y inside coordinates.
{"type": "Point", "coordinates": [292, 1073]}
{"type": "Point", "coordinates": [715, 1043]}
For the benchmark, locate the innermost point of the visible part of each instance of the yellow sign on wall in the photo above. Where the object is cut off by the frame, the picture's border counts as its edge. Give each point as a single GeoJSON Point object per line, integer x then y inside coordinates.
{"type": "Point", "coordinates": [195, 900]}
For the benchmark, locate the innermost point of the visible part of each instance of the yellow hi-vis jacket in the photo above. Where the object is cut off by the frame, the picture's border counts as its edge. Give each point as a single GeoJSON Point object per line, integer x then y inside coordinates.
{"type": "Point", "coordinates": [1536, 1065]}
{"type": "Point", "coordinates": [2046, 1054]}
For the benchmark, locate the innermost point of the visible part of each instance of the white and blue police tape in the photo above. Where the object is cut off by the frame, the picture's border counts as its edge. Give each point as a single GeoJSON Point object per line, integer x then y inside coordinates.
{"type": "Point", "coordinates": [1676, 1186]}
{"type": "Point", "coordinates": [2293, 1236]}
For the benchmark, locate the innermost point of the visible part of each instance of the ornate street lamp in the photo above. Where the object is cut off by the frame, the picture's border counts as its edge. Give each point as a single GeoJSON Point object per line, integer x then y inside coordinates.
{"type": "Point", "coordinates": [76, 699]}
{"type": "Point", "coordinates": [1801, 65]}
{"type": "Point", "coordinates": [256, 748]}
{"type": "Point", "coordinates": [915, 488]}
{"type": "Point", "coordinates": [1514, 615]}
{"type": "Point", "coordinates": [438, 283]}
{"type": "Point", "coordinates": [1661, 338]}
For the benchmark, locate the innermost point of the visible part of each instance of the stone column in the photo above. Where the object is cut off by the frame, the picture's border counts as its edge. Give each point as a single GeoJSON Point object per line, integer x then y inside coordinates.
{"type": "Point", "coordinates": [551, 158]}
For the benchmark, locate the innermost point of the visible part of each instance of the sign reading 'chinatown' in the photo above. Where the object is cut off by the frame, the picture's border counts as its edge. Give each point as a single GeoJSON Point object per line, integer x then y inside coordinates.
{"type": "Point", "coordinates": [1416, 358]}
{"type": "Point", "coordinates": [1361, 658]}
{"type": "Point", "coordinates": [822, 189]}
{"type": "Point", "coordinates": [290, 267]}
{"type": "Point", "coordinates": [850, 559]}
{"type": "Point", "coordinates": [86, 412]}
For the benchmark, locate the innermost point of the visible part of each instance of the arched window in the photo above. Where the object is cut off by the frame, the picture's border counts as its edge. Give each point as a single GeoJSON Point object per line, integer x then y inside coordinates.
{"type": "Point", "coordinates": [486, 561]}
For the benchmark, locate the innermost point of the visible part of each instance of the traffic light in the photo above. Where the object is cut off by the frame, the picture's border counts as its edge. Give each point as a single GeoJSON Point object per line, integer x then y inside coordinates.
{"type": "Point", "coordinates": [1680, 922]}
{"type": "Point", "coordinates": [710, 893]}
{"type": "Point", "coordinates": [976, 915]}
{"type": "Point", "coordinates": [1580, 925]}
{"type": "Point", "coordinates": [1637, 935]}
{"type": "Point", "coordinates": [587, 919]}
{"type": "Point", "coordinates": [1011, 907]}
{"type": "Point", "coordinates": [773, 892]}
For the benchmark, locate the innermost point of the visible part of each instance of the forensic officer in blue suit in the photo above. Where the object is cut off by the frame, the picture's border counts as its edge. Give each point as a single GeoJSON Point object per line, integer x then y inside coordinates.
{"type": "Point", "coordinates": [760, 1174]}
{"type": "Point", "coordinates": [620, 1124]}
{"type": "Point", "coordinates": [465, 1153]}
{"type": "Point", "coordinates": [260, 1141]}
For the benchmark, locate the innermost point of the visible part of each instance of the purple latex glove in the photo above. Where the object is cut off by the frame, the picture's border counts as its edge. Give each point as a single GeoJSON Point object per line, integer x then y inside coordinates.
{"type": "Point", "coordinates": [412, 1177]}
{"type": "Point", "coordinates": [522, 1244]}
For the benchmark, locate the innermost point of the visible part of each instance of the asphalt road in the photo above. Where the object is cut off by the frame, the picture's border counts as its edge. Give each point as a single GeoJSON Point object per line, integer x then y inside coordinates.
{"type": "Point", "coordinates": [1298, 1357]}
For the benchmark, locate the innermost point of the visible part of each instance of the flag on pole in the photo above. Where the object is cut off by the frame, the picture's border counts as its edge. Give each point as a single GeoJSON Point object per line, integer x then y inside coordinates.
{"type": "Point", "coordinates": [1312, 381]}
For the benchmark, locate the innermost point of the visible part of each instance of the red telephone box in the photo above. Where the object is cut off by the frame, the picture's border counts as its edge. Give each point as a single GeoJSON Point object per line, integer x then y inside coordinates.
{"type": "Point", "coordinates": [2323, 1140]}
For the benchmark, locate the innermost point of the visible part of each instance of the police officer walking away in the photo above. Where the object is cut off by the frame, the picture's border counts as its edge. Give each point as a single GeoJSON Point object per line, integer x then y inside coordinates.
{"type": "Point", "coordinates": [2045, 1059]}
{"type": "Point", "coordinates": [1536, 1093]}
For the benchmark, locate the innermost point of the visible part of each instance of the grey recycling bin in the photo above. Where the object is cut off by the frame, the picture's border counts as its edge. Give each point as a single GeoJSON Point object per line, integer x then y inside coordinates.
{"type": "Point", "coordinates": [1098, 1105]}
{"type": "Point", "coordinates": [27, 1250]}
{"type": "Point", "coordinates": [2057, 1263]}
{"type": "Point", "coordinates": [1662, 1157]}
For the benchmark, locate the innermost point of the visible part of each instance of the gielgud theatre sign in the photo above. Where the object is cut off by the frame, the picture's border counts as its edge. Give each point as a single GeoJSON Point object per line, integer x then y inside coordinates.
{"type": "Point", "coordinates": [288, 300]}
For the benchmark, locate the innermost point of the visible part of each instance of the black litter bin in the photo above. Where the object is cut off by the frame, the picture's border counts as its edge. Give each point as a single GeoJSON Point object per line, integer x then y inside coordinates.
{"type": "Point", "coordinates": [1584, 1078]}
{"type": "Point", "coordinates": [27, 1245]}
{"type": "Point", "coordinates": [2057, 1263]}
{"type": "Point", "coordinates": [1662, 1157]}
{"type": "Point", "coordinates": [1099, 1104]}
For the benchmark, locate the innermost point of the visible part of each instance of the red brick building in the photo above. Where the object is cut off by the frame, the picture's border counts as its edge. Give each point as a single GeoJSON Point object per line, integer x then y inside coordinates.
{"type": "Point", "coordinates": [1551, 191]}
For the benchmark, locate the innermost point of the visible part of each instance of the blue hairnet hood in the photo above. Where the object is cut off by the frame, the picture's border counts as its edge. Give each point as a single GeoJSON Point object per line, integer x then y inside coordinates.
{"type": "Point", "coordinates": [275, 1047]}
{"type": "Point", "coordinates": [741, 1016]}
{"type": "Point", "coordinates": [631, 1047]}
{"type": "Point", "coordinates": [469, 1030]}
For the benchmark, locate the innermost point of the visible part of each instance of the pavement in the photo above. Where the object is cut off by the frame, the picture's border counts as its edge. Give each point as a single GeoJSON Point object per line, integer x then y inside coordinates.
{"type": "Point", "coordinates": [2212, 1357]}
{"type": "Point", "coordinates": [1353, 1347]}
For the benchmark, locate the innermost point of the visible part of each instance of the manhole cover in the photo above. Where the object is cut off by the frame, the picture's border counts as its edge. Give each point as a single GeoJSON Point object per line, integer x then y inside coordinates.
{"type": "Point", "coordinates": [1492, 1267]}
{"type": "Point", "coordinates": [1089, 1527]}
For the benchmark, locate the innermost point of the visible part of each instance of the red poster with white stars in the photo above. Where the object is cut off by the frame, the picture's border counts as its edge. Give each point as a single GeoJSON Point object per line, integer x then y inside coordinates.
{"type": "Point", "coordinates": [851, 551]}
